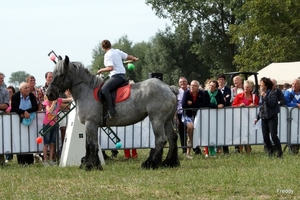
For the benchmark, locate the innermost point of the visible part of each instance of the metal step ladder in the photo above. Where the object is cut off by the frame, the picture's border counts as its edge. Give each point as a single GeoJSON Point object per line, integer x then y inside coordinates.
{"type": "Point", "coordinates": [65, 111]}
{"type": "Point", "coordinates": [60, 115]}
{"type": "Point", "coordinates": [112, 136]}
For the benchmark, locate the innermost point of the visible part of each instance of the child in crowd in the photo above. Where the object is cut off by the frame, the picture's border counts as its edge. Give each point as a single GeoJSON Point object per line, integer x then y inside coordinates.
{"type": "Point", "coordinates": [51, 108]}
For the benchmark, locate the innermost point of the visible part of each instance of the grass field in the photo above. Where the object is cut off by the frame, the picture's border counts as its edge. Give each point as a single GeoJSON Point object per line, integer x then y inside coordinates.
{"type": "Point", "coordinates": [237, 176]}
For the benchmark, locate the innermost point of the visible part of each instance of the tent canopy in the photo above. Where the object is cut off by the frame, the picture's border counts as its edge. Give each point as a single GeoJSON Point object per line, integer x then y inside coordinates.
{"type": "Point", "coordinates": [284, 72]}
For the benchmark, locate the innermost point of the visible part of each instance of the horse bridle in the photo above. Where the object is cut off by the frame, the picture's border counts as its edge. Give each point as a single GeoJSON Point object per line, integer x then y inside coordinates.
{"type": "Point", "coordinates": [62, 80]}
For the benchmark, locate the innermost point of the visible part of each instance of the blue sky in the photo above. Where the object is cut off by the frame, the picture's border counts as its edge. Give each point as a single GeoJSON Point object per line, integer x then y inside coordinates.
{"type": "Point", "coordinates": [31, 29]}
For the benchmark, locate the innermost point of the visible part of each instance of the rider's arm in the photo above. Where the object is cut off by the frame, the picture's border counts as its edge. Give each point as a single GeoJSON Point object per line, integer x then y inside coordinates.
{"type": "Point", "coordinates": [105, 69]}
{"type": "Point", "coordinates": [130, 57]}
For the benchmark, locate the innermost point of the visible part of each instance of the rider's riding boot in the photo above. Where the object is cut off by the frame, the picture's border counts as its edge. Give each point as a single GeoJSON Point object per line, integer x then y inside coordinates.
{"type": "Point", "coordinates": [111, 109]}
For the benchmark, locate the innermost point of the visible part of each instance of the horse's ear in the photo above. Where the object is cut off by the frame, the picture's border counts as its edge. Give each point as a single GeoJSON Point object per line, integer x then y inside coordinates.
{"type": "Point", "coordinates": [59, 57]}
{"type": "Point", "coordinates": [67, 60]}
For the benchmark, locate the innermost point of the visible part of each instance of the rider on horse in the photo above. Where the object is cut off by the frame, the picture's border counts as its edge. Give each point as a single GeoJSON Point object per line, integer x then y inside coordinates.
{"type": "Point", "coordinates": [113, 62]}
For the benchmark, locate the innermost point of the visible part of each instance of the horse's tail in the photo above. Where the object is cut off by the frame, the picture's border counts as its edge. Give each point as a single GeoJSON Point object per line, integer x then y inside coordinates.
{"type": "Point", "coordinates": [174, 89]}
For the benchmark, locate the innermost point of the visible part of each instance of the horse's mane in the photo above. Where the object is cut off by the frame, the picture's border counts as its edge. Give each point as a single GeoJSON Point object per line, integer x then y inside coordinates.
{"type": "Point", "coordinates": [82, 72]}
{"type": "Point", "coordinates": [87, 77]}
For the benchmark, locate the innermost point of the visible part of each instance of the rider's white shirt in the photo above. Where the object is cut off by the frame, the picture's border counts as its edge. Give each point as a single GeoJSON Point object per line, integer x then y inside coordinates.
{"type": "Point", "coordinates": [115, 57]}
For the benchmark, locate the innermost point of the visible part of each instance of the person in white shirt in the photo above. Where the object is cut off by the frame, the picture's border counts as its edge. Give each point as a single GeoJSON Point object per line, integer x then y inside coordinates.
{"type": "Point", "coordinates": [113, 62]}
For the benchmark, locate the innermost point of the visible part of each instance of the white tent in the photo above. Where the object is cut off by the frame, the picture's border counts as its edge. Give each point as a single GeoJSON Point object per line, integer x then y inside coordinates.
{"type": "Point", "coordinates": [284, 72]}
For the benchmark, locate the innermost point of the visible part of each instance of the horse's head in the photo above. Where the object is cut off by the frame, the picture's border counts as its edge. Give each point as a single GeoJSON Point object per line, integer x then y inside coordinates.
{"type": "Point", "coordinates": [60, 81]}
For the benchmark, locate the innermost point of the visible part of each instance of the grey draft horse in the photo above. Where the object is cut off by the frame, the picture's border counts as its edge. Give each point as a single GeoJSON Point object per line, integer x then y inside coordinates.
{"type": "Point", "coordinates": [151, 98]}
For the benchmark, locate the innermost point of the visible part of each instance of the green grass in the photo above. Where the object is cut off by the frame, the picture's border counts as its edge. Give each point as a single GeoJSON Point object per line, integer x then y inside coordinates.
{"type": "Point", "coordinates": [236, 176]}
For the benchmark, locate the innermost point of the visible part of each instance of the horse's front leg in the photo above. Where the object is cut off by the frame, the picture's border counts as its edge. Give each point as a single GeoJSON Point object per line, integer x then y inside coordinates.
{"type": "Point", "coordinates": [91, 160]}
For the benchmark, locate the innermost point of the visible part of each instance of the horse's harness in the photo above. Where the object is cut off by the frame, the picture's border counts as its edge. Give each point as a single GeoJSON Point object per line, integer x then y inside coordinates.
{"type": "Point", "coordinates": [62, 80]}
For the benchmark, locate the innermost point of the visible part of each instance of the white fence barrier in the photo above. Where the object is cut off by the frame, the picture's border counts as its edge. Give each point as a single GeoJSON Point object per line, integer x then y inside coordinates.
{"type": "Point", "coordinates": [233, 126]}
{"type": "Point", "coordinates": [295, 126]}
{"type": "Point", "coordinates": [139, 135]}
{"type": "Point", "coordinates": [17, 138]}
{"type": "Point", "coordinates": [228, 126]}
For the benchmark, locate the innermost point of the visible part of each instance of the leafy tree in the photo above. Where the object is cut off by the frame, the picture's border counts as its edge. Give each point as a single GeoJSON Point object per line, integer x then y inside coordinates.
{"type": "Point", "coordinates": [139, 50]}
{"type": "Point", "coordinates": [270, 32]}
{"type": "Point", "coordinates": [98, 59]}
{"type": "Point", "coordinates": [208, 21]}
{"type": "Point", "coordinates": [17, 78]}
{"type": "Point", "coordinates": [171, 53]}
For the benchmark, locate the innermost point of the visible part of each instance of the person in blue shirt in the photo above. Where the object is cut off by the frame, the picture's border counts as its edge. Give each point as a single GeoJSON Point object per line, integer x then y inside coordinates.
{"type": "Point", "coordinates": [292, 95]}
{"type": "Point", "coordinates": [292, 99]}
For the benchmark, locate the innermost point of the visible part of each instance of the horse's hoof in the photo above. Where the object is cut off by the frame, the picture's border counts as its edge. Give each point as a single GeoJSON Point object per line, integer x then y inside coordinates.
{"type": "Point", "coordinates": [89, 167]}
{"type": "Point", "coordinates": [148, 165]}
{"type": "Point", "coordinates": [83, 160]}
{"type": "Point", "coordinates": [168, 163]}
{"type": "Point", "coordinates": [144, 165]}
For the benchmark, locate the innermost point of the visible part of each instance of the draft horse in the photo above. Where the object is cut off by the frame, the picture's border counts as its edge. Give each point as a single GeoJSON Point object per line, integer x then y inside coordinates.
{"type": "Point", "coordinates": [151, 98]}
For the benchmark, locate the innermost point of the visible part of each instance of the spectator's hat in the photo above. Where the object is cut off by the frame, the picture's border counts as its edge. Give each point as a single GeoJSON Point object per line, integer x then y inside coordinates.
{"type": "Point", "coordinates": [28, 121]}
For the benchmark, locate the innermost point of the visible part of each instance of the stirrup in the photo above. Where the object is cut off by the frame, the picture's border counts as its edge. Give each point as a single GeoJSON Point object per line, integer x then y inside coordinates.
{"type": "Point", "coordinates": [109, 116]}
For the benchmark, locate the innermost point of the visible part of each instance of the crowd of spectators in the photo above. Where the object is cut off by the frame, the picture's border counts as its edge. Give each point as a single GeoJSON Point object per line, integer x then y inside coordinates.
{"type": "Point", "coordinates": [25, 102]}
{"type": "Point", "coordinates": [217, 94]}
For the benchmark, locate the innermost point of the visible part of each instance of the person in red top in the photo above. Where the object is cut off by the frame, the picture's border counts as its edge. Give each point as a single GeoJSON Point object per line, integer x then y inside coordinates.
{"type": "Point", "coordinates": [247, 98]}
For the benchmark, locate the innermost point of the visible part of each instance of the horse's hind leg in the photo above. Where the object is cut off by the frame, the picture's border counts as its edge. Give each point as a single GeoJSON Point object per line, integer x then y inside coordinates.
{"type": "Point", "coordinates": [155, 157]}
{"type": "Point", "coordinates": [172, 157]}
{"type": "Point", "coordinates": [91, 159]}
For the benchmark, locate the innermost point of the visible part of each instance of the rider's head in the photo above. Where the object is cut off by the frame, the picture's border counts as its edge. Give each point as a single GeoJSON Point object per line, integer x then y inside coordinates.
{"type": "Point", "coordinates": [106, 45]}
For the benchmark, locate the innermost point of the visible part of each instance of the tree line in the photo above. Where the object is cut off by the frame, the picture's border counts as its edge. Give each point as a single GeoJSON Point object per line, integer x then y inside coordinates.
{"type": "Point", "coordinates": [212, 36]}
